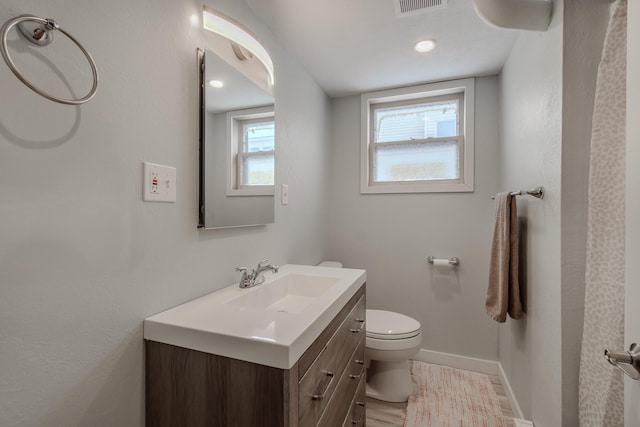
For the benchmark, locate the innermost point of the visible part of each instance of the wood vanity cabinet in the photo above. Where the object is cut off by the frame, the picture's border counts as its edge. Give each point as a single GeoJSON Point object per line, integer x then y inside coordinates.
{"type": "Point", "coordinates": [326, 386]}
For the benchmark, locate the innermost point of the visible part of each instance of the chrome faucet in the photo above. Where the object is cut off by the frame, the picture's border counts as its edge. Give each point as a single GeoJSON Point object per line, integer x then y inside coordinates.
{"type": "Point", "coordinates": [255, 277]}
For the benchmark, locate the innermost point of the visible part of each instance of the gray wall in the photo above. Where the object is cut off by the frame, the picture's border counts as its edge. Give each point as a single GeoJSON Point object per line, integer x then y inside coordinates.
{"type": "Point", "coordinates": [83, 260]}
{"type": "Point", "coordinates": [391, 235]}
{"type": "Point", "coordinates": [547, 88]}
{"type": "Point", "coordinates": [531, 112]}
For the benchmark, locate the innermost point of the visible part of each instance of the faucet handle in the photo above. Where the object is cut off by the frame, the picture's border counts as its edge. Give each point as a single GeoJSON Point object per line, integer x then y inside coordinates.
{"type": "Point", "coordinates": [262, 262]}
{"type": "Point", "coordinates": [246, 279]}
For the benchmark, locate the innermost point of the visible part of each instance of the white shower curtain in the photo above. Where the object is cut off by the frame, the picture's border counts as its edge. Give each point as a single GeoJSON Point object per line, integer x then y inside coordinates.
{"type": "Point", "coordinates": [601, 388]}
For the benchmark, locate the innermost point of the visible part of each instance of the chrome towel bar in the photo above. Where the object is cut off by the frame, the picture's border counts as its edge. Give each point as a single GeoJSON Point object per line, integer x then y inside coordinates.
{"type": "Point", "coordinates": [537, 192]}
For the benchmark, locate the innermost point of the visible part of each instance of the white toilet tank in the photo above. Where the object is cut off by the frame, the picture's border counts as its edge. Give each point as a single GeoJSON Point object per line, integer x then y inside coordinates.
{"type": "Point", "coordinates": [333, 264]}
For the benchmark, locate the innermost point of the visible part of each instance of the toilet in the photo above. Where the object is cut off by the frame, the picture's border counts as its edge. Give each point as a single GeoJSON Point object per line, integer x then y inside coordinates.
{"type": "Point", "coordinates": [391, 340]}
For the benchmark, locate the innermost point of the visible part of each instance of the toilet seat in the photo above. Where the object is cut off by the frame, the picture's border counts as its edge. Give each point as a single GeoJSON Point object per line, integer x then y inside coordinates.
{"type": "Point", "coordinates": [399, 346]}
{"type": "Point", "coordinates": [388, 325]}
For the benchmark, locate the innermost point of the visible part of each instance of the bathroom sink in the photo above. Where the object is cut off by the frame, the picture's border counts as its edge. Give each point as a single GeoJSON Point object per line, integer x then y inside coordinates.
{"type": "Point", "coordinates": [290, 293]}
{"type": "Point", "coordinates": [271, 324]}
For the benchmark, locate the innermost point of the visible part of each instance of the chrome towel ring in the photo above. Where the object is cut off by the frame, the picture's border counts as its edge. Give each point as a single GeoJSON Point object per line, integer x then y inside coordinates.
{"type": "Point", "coordinates": [39, 31]}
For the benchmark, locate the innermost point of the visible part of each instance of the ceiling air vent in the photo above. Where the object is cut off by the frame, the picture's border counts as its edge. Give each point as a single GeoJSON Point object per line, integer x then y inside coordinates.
{"type": "Point", "coordinates": [415, 7]}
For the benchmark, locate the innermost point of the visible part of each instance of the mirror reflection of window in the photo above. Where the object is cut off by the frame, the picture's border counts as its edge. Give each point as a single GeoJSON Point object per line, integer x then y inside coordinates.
{"type": "Point", "coordinates": [256, 153]}
{"type": "Point", "coordinates": [251, 144]}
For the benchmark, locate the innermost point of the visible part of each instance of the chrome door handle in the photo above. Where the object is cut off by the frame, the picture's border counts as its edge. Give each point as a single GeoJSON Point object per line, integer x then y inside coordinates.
{"type": "Point", "coordinates": [627, 361]}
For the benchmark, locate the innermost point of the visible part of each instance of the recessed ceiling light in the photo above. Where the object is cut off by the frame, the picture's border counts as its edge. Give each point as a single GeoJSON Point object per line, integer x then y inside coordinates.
{"type": "Point", "coordinates": [425, 45]}
{"type": "Point", "coordinates": [216, 83]}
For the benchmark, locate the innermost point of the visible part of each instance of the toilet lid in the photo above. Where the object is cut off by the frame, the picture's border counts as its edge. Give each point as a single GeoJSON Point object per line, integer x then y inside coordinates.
{"type": "Point", "coordinates": [383, 324]}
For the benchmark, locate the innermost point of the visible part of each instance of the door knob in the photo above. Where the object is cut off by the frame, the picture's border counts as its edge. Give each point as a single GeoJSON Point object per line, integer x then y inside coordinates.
{"type": "Point", "coordinates": [628, 361]}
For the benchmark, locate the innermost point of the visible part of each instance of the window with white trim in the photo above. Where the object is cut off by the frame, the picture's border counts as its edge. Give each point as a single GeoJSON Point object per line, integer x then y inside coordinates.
{"type": "Point", "coordinates": [251, 154]}
{"type": "Point", "coordinates": [418, 139]}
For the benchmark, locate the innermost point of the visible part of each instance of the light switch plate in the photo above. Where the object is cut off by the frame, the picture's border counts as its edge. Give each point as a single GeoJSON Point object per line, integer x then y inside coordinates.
{"type": "Point", "coordinates": [285, 194]}
{"type": "Point", "coordinates": [159, 183]}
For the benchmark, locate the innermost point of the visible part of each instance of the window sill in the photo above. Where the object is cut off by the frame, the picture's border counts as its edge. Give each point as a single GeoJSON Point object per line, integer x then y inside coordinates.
{"type": "Point", "coordinates": [268, 190]}
{"type": "Point", "coordinates": [407, 187]}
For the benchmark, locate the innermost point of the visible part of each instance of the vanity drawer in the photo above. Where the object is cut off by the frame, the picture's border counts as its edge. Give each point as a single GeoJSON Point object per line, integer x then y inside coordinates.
{"type": "Point", "coordinates": [314, 391]}
{"type": "Point", "coordinates": [319, 345]}
{"type": "Point", "coordinates": [339, 357]}
{"type": "Point", "coordinates": [339, 405]}
{"type": "Point", "coordinates": [357, 415]}
{"type": "Point", "coordinates": [346, 338]}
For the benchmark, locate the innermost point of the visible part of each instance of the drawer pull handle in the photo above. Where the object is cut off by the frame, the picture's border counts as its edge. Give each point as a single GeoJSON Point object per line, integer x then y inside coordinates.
{"type": "Point", "coordinates": [357, 330]}
{"type": "Point", "coordinates": [359, 362]}
{"type": "Point", "coordinates": [324, 393]}
{"type": "Point", "coordinates": [354, 376]}
{"type": "Point", "coordinates": [359, 420]}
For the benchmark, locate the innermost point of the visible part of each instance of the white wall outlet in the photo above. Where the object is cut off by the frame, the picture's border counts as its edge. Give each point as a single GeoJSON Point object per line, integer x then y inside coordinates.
{"type": "Point", "coordinates": [285, 194]}
{"type": "Point", "coordinates": [159, 183]}
{"type": "Point", "coordinates": [155, 176]}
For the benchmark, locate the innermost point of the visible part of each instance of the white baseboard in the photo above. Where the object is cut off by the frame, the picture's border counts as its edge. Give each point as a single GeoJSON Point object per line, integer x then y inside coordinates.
{"type": "Point", "coordinates": [517, 412]}
{"type": "Point", "coordinates": [484, 366]}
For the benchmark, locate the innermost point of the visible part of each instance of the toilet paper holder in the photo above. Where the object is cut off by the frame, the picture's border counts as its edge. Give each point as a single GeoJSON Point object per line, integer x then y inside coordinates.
{"type": "Point", "coordinates": [454, 261]}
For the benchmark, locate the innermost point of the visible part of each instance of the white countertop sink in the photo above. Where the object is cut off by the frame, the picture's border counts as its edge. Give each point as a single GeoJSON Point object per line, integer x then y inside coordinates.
{"type": "Point", "coordinates": [271, 324]}
{"type": "Point", "coordinates": [289, 293]}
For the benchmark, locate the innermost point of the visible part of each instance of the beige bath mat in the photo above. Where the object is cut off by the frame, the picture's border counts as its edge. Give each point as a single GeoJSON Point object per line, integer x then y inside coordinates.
{"type": "Point", "coordinates": [449, 397]}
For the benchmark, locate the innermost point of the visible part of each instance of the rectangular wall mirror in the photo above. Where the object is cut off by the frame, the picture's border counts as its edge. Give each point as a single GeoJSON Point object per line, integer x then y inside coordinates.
{"type": "Point", "coordinates": [237, 147]}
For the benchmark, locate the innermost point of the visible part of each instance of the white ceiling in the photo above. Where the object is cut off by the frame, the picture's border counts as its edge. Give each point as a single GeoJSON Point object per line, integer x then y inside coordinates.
{"type": "Point", "coordinates": [354, 46]}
